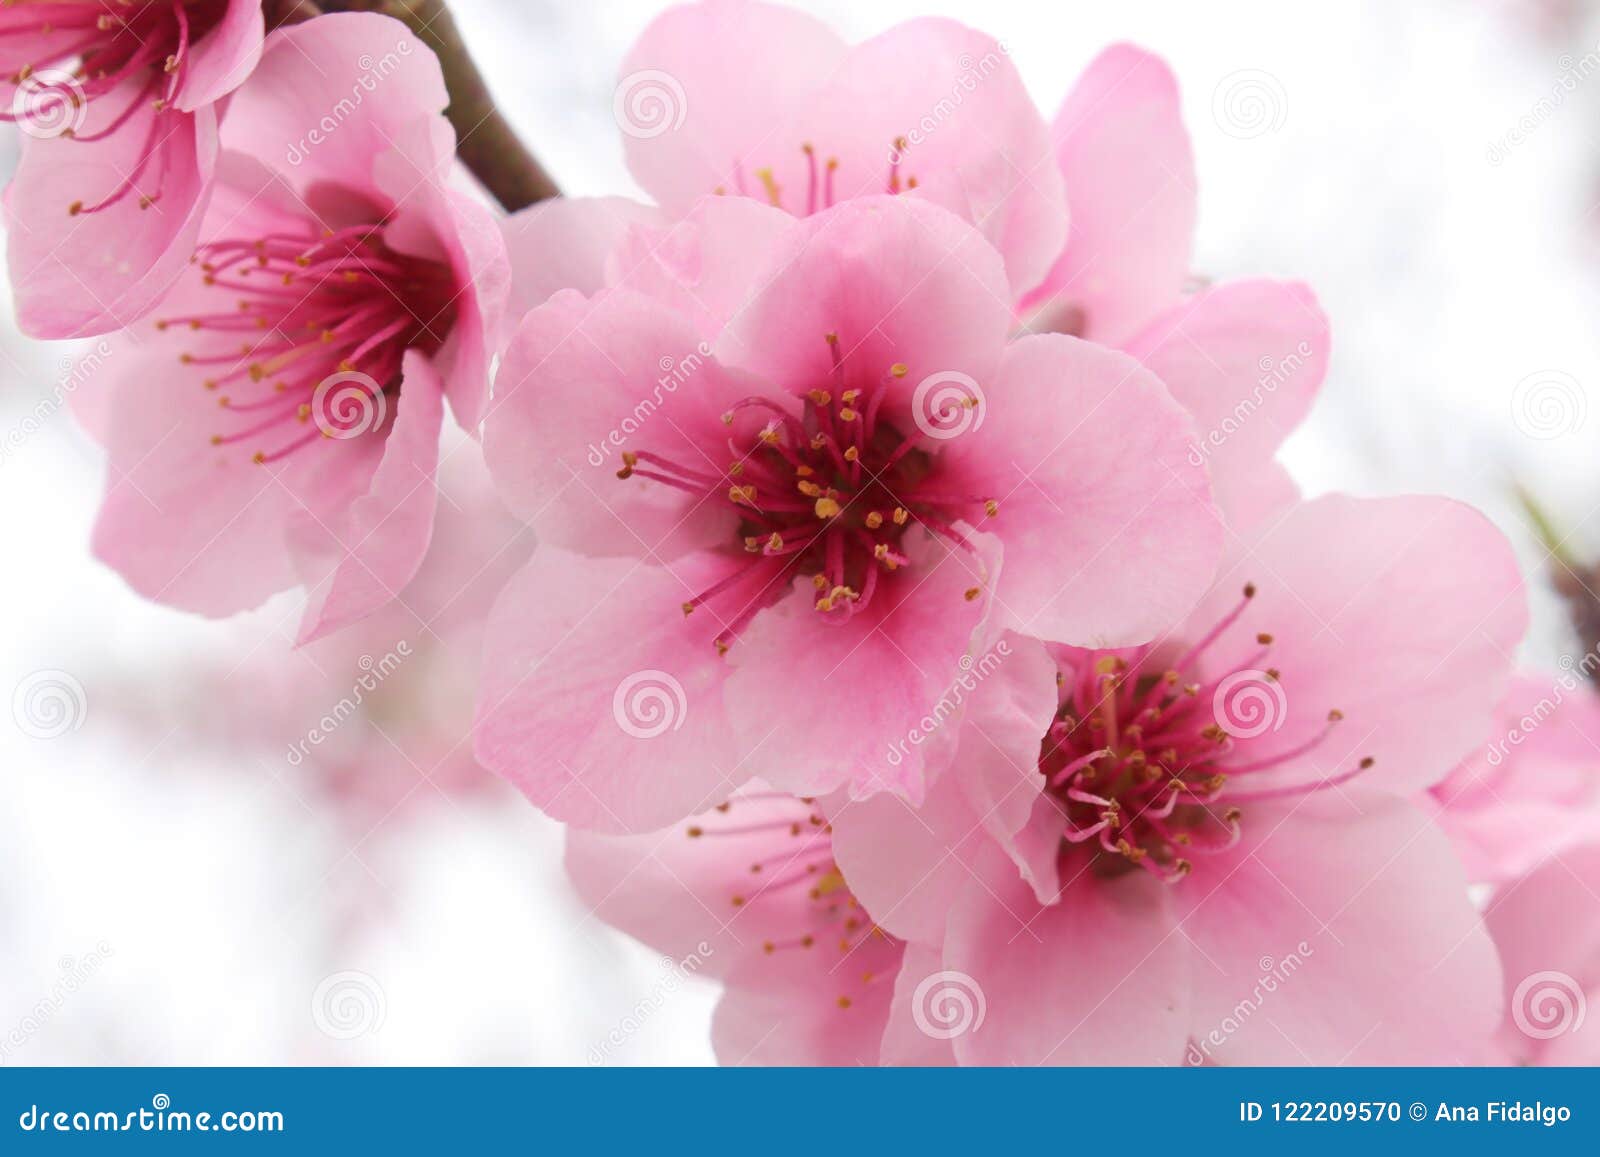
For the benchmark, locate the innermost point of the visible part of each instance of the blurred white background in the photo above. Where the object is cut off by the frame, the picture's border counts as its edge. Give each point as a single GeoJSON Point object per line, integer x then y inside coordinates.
{"type": "Point", "coordinates": [174, 890]}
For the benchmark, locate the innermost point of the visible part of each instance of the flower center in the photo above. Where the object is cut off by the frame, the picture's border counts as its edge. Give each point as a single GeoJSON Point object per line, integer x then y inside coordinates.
{"type": "Point", "coordinates": [90, 48]}
{"type": "Point", "coordinates": [312, 347]}
{"type": "Point", "coordinates": [819, 180]}
{"type": "Point", "coordinates": [800, 863]}
{"type": "Point", "coordinates": [1143, 758]}
{"type": "Point", "coordinates": [828, 492]}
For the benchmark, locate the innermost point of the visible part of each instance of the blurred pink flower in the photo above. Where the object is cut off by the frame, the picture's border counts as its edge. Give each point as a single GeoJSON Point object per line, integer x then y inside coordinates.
{"type": "Point", "coordinates": [811, 510]}
{"type": "Point", "coordinates": [119, 105]}
{"type": "Point", "coordinates": [278, 424]}
{"type": "Point", "coordinates": [1532, 790]}
{"type": "Point", "coordinates": [748, 893]}
{"type": "Point", "coordinates": [1208, 804]}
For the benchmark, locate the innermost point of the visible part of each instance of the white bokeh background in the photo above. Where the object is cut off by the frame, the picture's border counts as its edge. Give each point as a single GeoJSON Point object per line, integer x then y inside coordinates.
{"type": "Point", "coordinates": [227, 888]}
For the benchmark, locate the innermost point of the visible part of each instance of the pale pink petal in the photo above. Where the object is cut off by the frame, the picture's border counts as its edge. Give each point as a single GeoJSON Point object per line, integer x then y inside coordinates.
{"type": "Point", "coordinates": [564, 243]}
{"type": "Point", "coordinates": [220, 60]}
{"type": "Point", "coordinates": [1129, 173]}
{"type": "Point", "coordinates": [599, 700]}
{"type": "Point", "coordinates": [914, 1036]}
{"type": "Point", "coordinates": [1338, 933]}
{"type": "Point", "coordinates": [355, 560]}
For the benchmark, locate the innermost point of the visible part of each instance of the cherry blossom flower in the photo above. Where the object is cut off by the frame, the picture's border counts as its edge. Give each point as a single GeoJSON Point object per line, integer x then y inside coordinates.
{"type": "Point", "coordinates": [119, 104]}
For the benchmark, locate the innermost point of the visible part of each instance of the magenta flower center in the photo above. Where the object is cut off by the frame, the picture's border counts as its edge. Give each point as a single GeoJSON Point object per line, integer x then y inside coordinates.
{"type": "Point", "coordinates": [309, 332]}
{"type": "Point", "coordinates": [1144, 759]}
{"type": "Point", "coordinates": [141, 50]}
{"type": "Point", "coordinates": [825, 488]}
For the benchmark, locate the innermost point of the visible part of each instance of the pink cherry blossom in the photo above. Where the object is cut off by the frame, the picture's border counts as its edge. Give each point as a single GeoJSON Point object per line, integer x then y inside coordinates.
{"type": "Point", "coordinates": [748, 891]}
{"type": "Point", "coordinates": [119, 106]}
{"type": "Point", "coordinates": [278, 423]}
{"type": "Point", "coordinates": [735, 97]}
{"type": "Point", "coordinates": [769, 524]}
{"type": "Point", "coordinates": [1546, 925]}
{"type": "Point", "coordinates": [1206, 805]}
{"type": "Point", "coordinates": [1532, 789]}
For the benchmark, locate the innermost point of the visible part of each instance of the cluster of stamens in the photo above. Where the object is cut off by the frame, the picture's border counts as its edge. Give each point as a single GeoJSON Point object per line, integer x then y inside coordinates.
{"type": "Point", "coordinates": [832, 921]}
{"type": "Point", "coordinates": [819, 180]}
{"type": "Point", "coordinates": [1142, 765]}
{"type": "Point", "coordinates": [828, 491]}
{"type": "Point", "coordinates": [144, 48]}
{"type": "Point", "coordinates": [309, 308]}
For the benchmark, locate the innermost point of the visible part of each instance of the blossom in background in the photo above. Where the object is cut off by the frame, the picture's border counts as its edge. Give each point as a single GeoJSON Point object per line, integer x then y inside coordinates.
{"type": "Point", "coordinates": [795, 527]}
{"type": "Point", "coordinates": [119, 105]}
{"type": "Point", "coordinates": [767, 102]}
{"type": "Point", "coordinates": [277, 423]}
{"type": "Point", "coordinates": [1532, 789]}
{"type": "Point", "coordinates": [1216, 799]}
{"type": "Point", "coordinates": [750, 889]}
